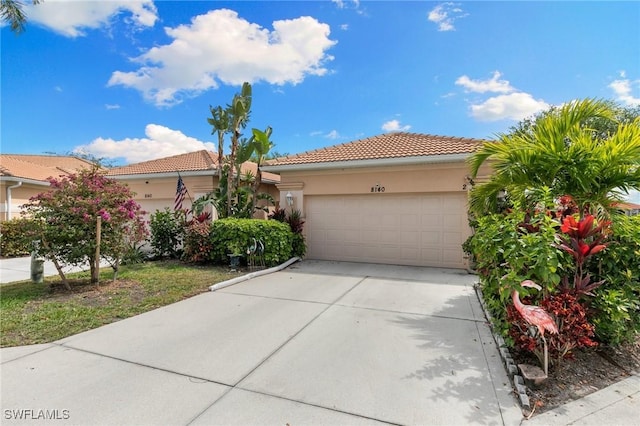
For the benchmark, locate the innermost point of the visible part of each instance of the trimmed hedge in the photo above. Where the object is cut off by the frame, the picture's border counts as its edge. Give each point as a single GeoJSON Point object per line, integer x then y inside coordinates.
{"type": "Point", "coordinates": [17, 236]}
{"type": "Point", "coordinates": [231, 234]}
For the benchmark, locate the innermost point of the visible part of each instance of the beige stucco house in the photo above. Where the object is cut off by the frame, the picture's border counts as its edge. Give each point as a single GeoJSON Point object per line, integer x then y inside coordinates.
{"type": "Point", "coordinates": [24, 176]}
{"type": "Point", "coordinates": [155, 181]}
{"type": "Point", "coordinates": [396, 198]}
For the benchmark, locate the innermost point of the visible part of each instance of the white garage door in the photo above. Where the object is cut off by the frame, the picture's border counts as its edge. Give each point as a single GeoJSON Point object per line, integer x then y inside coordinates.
{"type": "Point", "coordinates": [416, 229]}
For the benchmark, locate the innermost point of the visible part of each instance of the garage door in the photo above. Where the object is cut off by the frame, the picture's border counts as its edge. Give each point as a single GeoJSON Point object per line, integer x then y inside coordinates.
{"type": "Point", "coordinates": [416, 229]}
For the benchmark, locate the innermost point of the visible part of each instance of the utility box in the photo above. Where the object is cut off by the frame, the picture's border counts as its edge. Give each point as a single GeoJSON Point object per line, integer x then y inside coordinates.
{"type": "Point", "coordinates": [37, 264]}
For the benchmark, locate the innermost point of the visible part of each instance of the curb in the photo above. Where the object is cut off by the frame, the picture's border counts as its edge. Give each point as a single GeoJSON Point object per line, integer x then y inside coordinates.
{"type": "Point", "coordinates": [251, 275]}
{"type": "Point", "coordinates": [517, 381]}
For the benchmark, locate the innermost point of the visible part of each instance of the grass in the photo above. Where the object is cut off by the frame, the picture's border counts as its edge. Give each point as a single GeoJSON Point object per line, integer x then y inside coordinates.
{"type": "Point", "coordinates": [40, 313]}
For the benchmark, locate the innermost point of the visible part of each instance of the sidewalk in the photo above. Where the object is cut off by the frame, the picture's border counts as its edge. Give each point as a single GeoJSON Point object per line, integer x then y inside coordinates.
{"type": "Point", "coordinates": [618, 404]}
{"type": "Point", "coordinates": [19, 269]}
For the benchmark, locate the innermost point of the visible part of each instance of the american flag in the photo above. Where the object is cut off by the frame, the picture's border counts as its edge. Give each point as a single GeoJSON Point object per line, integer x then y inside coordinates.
{"type": "Point", "coordinates": [181, 190]}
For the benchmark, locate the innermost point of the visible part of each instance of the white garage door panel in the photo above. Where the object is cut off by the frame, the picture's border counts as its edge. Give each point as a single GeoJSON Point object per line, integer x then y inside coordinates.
{"type": "Point", "coordinates": [418, 229]}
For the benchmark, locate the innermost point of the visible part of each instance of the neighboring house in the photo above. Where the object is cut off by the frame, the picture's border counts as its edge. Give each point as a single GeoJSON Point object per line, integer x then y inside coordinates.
{"type": "Point", "coordinates": [396, 198]}
{"type": "Point", "coordinates": [630, 209]}
{"type": "Point", "coordinates": [24, 176]}
{"type": "Point", "coordinates": [155, 181]}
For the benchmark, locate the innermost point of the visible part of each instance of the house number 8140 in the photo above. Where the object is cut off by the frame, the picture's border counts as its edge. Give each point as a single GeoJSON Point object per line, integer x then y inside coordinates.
{"type": "Point", "coordinates": [377, 188]}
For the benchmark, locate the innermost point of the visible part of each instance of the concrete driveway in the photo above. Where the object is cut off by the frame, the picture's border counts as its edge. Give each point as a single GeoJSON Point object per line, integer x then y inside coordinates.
{"type": "Point", "coordinates": [317, 343]}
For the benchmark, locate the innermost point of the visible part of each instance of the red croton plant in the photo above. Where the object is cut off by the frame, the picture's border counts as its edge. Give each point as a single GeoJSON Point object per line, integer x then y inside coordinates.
{"type": "Point", "coordinates": [582, 238]}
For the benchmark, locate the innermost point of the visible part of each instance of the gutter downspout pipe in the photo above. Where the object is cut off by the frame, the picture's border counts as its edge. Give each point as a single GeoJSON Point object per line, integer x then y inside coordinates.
{"type": "Point", "coordinates": [8, 201]}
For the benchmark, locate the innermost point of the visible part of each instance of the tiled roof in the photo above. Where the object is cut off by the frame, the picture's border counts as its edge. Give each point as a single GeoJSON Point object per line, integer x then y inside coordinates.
{"type": "Point", "coordinates": [628, 206]}
{"type": "Point", "coordinates": [191, 162]}
{"type": "Point", "coordinates": [39, 167]}
{"type": "Point", "coordinates": [388, 145]}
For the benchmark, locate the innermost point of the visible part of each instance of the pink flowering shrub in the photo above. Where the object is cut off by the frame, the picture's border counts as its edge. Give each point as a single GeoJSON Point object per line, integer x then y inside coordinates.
{"type": "Point", "coordinates": [69, 212]}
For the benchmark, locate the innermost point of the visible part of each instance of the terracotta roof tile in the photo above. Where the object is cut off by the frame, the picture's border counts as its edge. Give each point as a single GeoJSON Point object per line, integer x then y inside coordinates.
{"type": "Point", "coordinates": [388, 145]}
{"type": "Point", "coordinates": [191, 162]}
{"type": "Point", "coordinates": [39, 167]}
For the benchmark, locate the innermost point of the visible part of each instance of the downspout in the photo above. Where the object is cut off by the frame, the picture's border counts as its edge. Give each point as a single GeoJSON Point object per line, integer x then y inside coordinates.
{"type": "Point", "coordinates": [9, 188]}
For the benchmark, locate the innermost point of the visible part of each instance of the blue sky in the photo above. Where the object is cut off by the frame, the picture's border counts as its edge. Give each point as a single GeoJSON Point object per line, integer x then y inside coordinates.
{"type": "Point", "coordinates": [133, 80]}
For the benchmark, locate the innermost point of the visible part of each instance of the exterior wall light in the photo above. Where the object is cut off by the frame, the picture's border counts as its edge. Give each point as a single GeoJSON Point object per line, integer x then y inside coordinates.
{"type": "Point", "coordinates": [289, 198]}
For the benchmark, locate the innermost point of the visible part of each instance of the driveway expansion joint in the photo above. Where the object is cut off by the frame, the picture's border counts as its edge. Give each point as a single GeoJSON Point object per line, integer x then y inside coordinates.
{"type": "Point", "coordinates": [165, 370]}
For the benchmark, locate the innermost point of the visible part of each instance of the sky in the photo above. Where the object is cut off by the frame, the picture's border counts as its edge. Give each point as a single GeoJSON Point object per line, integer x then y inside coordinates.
{"type": "Point", "coordinates": [133, 80]}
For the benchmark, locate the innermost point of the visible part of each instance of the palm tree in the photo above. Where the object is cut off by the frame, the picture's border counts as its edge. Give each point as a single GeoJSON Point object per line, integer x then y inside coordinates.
{"type": "Point", "coordinates": [238, 112]}
{"type": "Point", "coordinates": [561, 151]}
{"type": "Point", "coordinates": [220, 122]}
{"type": "Point", "coordinates": [12, 13]}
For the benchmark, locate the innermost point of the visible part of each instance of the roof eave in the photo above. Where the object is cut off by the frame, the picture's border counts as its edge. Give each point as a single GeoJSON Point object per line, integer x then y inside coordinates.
{"type": "Point", "coordinates": [192, 173]}
{"type": "Point", "coordinates": [378, 162]}
{"type": "Point", "coordinates": [24, 180]}
{"type": "Point", "coordinates": [212, 172]}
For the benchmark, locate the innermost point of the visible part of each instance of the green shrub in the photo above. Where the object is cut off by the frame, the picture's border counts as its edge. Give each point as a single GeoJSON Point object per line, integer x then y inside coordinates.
{"type": "Point", "coordinates": [17, 236]}
{"type": "Point", "coordinates": [616, 307]}
{"type": "Point", "coordinates": [295, 222]}
{"type": "Point", "coordinates": [298, 246]}
{"type": "Point", "coordinates": [276, 236]}
{"type": "Point", "coordinates": [509, 248]}
{"type": "Point", "coordinates": [167, 232]}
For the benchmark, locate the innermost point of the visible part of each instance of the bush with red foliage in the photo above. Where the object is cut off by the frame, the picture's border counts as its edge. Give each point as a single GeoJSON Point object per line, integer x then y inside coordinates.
{"type": "Point", "coordinates": [197, 242]}
{"type": "Point", "coordinates": [574, 330]}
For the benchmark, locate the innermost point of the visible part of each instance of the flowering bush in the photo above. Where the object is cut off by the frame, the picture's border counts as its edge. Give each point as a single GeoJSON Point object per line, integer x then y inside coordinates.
{"type": "Point", "coordinates": [68, 213]}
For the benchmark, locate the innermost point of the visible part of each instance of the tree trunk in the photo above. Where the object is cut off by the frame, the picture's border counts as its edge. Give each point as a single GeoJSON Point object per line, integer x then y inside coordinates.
{"type": "Point", "coordinates": [95, 264]}
{"type": "Point", "coordinates": [232, 163]}
{"type": "Point", "coordinates": [256, 187]}
{"type": "Point", "coordinates": [63, 277]}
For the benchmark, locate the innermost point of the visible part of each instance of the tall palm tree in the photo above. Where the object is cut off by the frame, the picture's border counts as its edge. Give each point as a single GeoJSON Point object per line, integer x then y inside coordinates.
{"type": "Point", "coordinates": [220, 122]}
{"type": "Point", "coordinates": [562, 152]}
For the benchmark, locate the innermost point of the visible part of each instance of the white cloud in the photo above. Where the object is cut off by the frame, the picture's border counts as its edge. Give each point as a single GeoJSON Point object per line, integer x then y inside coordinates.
{"type": "Point", "coordinates": [445, 14]}
{"type": "Point", "coordinates": [112, 106]}
{"type": "Point", "coordinates": [160, 142]}
{"type": "Point", "coordinates": [514, 106]}
{"type": "Point", "coordinates": [395, 126]}
{"type": "Point", "coordinates": [623, 89]}
{"type": "Point", "coordinates": [332, 135]}
{"type": "Point", "coordinates": [342, 4]}
{"type": "Point", "coordinates": [494, 84]}
{"type": "Point", "coordinates": [58, 89]}
{"type": "Point", "coordinates": [70, 17]}
{"type": "Point", "coordinates": [221, 47]}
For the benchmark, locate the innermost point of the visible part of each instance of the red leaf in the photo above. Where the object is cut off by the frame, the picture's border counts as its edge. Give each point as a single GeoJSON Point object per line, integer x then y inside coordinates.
{"type": "Point", "coordinates": [585, 226]}
{"type": "Point", "coordinates": [568, 225]}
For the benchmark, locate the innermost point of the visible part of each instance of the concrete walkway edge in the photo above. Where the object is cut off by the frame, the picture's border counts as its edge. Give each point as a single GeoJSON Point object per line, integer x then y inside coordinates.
{"type": "Point", "coordinates": [251, 275]}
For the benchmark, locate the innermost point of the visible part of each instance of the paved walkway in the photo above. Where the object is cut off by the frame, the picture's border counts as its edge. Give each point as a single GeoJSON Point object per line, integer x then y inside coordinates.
{"type": "Point", "coordinates": [318, 343]}
{"type": "Point", "coordinates": [19, 269]}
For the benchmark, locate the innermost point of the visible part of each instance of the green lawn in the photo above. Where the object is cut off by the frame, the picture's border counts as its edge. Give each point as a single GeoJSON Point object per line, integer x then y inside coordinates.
{"type": "Point", "coordinates": [40, 313]}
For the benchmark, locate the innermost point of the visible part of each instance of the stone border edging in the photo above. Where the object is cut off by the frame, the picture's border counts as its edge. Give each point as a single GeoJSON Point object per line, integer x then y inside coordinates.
{"type": "Point", "coordinates": [251, 275]}
{"type": "Point", "coordinates": [517, 381]}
